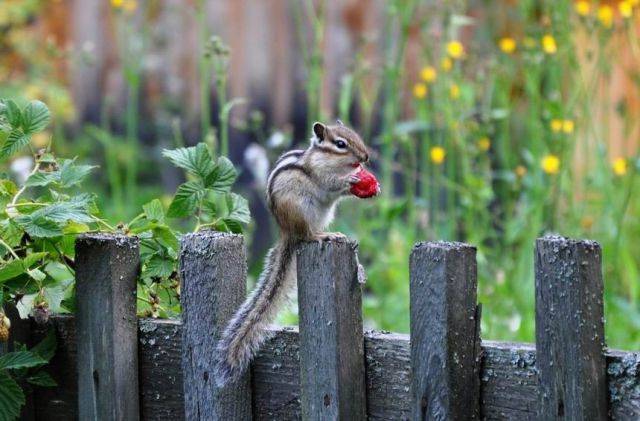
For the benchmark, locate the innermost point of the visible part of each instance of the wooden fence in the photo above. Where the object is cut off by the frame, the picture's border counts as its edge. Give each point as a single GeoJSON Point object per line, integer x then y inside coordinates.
{"type": "Point", "coordinates": [112, 366]}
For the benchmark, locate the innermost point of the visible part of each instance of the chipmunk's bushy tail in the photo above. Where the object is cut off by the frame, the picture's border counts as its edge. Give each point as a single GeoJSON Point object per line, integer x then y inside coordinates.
{"type": "Point", "coordinates": [246, 332]}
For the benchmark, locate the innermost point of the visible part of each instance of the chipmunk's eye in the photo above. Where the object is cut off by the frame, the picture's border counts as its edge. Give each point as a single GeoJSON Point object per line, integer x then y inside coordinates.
{"type": "Point", "coordinates": [340, 144]}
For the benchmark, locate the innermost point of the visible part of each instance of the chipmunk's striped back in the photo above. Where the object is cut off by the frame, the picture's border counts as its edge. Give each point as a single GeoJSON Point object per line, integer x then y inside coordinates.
{"type": "Point", "coordinates": [302, 190]}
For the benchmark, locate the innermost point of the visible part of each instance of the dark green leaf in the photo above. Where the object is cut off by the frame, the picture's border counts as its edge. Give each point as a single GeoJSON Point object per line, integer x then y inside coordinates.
{"type": "Point", "coordinates": [186, 199]}
{"type": "Point", "coordinates": [33, 258]}
{"type": "Point", "coordinates": [21, 359]}
{"type": "Point", "coordinates": [11, 398]}
{"type": "Point", "coordinates": [154, 210]}
{"type": "Point", "coordinates": [166, 237]}
{"type": "Point", "coordinates": [72, 174]}
{"type": "Point", "coordinates": [233, 225]}
{"type": "Point", "coordinates": [17, 140]}
{"type": "Point", "coordinates": [14, 116]}
{"type": "Point", "coordinates": [223, 176]}
{"type": "Point", "coordinates": [42, 379]}
{"type": "Point", "coordinates": [43, 178]}
{"type": "Point", "coordinates": [158, 266]}
{"type": "Point", "coordinates": [39, 226]}
{"type": "Point", "coordinates": [75, 209]}
{"type": "Point", "coordinates": [11, 270]}
{"type": "Point", "coordinates": [238, 208]}
{"type": "Point", "coordinates": [46, 348]}
{"type": "Point", "coordinates": [197, 159]}
{"type": "Point", "coordinates": [35, 117]}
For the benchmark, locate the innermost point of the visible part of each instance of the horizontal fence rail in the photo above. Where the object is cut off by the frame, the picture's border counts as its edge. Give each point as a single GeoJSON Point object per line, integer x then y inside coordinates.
{"type": "Point", "coordinates": [332, 369]}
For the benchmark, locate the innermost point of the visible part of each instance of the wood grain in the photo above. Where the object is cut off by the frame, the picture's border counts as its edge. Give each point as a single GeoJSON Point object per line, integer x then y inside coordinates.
{"type": "Point", "coordinates": [213, 272]}
{"type": "Point", "coordinates": [107, 267]}
{"type": "Point", "coordinates": [570, 329]}
{"type": "Point", "coordinates": [332, 379]}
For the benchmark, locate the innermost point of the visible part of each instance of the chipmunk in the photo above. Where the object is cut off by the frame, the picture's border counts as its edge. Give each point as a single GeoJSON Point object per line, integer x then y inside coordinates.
{"type": "Point", "coordinates": [302, 192]}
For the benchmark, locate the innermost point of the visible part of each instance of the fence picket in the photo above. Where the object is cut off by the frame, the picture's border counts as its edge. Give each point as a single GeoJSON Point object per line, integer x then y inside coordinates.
{"type": "Point", "coordinates": [445, 343]}
{"type": "Point", "coordinates": [570, 329]}
{"type": "Point", "coordinates": [213, 272]}
{"type": "Point", "coordinates": [332, 369]}
{"type": "Point", "coordinates": [107, 267]}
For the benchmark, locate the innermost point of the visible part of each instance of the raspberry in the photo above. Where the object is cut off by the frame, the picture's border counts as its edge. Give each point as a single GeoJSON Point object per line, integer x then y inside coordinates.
{"type": "Point", "coordinates": [368, 185]}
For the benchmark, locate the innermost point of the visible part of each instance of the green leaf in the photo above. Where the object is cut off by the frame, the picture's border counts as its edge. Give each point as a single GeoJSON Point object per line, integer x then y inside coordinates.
{"type": "Point", "coordinates": [21, 359]}
{"type": "Point", "coordinates": [75, 209]}
{"type": "Point", "coordinates": [14, 116]}
{"type": "Point", "coordinates": [43, 179]}
{"type": "Point", "coordinates": [16, 141]}
{"type": "Point", "coordinates": [186, 199]}
{"type": "Point", "coordinates": [233, 225]}
{"type": "Point", "coordinates": [196, 160]}
{"type": "Point", "coordinates": [37, 274]}
{"type": "Point", "coordinates": [35, 117]}
{"type": "Point", "coordinates": [158, 266]}
{"type": "Point", "coordinates": [46, 348]}
{"type": "Point", "coordinates": [11, 398]}
{"type": "Point", "coordinates": [166, 237]}
{"type": "Point", "coordinates": [54, 295]}
{"type": "Point", "coordinates": [39, 226]}
{"type": "Point", "coordinates": [72, 174]}
{"type": "Point", "coordinates": [11, 270]}
{"type": "Point", "coordinates": [33, 258]}
{"type": "Point", "coordinates": [238, 208]}
{"type": "Point", "coordinates": [42, 379]}
{"type": "Point", "coordinates": [223, 177]}
{"type": "Point", "coordinates": [154, 210]}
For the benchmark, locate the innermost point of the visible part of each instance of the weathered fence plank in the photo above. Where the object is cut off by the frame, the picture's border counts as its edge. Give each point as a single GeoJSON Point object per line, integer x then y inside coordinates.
{"type": "Point", "coordinates": [331, 338]}
{"type": "Point", "coordinates": [445, 344]}
{"type": "Point", "coordinates": [570, 329]}
{"type": "Point", "coordinates": [509, 379]}
{"type": "Point", "coordinates": [107, 267]}
{"type": "Point", "coordinates": [213, 271]}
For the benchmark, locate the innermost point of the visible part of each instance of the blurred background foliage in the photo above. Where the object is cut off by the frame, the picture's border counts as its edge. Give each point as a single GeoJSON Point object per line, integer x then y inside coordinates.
{"type": "Point", "coordinates": [493, 122]}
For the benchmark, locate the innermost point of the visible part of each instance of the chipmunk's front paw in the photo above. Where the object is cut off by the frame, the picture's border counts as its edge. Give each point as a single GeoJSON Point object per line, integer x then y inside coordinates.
{"type": "Point", "coordinates": [353, 179]}
{"type": "Point", "coordinates": [329, 236]}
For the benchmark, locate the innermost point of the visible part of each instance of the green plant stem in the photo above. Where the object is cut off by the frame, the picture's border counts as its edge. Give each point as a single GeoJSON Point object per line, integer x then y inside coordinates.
{"type": "Point", "coordinates": [5, 245]}
{"type": "Point", "coordinates": [204, 70]}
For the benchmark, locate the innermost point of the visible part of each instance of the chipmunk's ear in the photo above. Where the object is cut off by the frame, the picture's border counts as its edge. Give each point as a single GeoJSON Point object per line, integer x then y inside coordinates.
{"type": "Point", "coordinates": [319, 130]}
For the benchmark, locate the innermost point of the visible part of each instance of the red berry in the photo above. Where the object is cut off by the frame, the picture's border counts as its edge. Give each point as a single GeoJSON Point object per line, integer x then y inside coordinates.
{"type": "Point", "coordinates": [368, 185]}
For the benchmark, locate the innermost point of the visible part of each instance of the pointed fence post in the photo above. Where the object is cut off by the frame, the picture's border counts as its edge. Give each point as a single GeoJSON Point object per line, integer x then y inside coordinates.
{"type": "Point", "coordinates": [332, 373]}
{"type": "Point", "coordinates": [213, 271]}
{"type": "Point", "coordinates": [445, 342]}
{"type": "Point", "coordinates": [570, 329]}
{"type": "Point", "coordinates": [107, 268]}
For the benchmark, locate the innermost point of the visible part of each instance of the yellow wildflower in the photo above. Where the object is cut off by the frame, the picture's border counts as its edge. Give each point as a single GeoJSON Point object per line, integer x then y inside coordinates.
{"type": "Point", "coordinates": [117, 3]}
{"type": "Point", "coordinates": [437, 155]}
{"type": "Point", "coordinates": [549, 44]}
{"type": "Point", "coordinates": [428, 74]}
{"type": "Point", "coordinates": [568, 126]}
{"type": "Point", "coordinates": [620, 166]}
{"type": "Point", "coordinates": [420, 90]}
{"type": "Point", "coordinates": [605, 15]}
{"type": "Point", "coordinates": [454, 91]}
{"type": "Point", "coordinates": [484, 144]}
{"type": "Point", "coordinates": [507, 45]}
{"type": "Point", "coordinates": [625, 8]}
{"type": "Point", "coordinates": [455, 49]}
{"type": "Point", "coordinates": [550, 164]}
{"type": "Point", "coordinates": [521, 170]}
{"type": "Point", "coordinates": [583, 8]}
{"type": "Point", "coordinates": [446, 64]}
{"type": "Point", "coordinates": [556, 125]}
